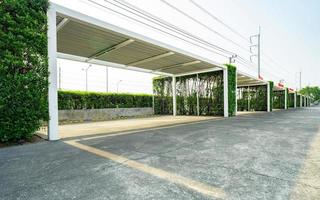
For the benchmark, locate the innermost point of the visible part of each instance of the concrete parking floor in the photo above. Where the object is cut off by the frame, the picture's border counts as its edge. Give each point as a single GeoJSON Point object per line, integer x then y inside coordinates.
{"type": "Point", "coordinates": [121, 125]}
{"type": "Point", "coordinates": [266, 156]}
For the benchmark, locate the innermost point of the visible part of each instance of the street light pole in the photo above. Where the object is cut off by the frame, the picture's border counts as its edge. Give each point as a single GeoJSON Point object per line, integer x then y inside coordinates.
{"type": "Point", "coordinates": [118, 85]}
{"type": "Point", "coordinates": [86, 71]}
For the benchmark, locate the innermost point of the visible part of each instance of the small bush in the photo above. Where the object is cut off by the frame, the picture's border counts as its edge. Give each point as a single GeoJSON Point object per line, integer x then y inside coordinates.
{"type": "Point", "coordinates": [68, 100]}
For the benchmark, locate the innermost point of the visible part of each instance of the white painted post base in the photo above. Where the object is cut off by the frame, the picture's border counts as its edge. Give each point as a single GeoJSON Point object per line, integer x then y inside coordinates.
{"type": "Point", "coordinates": [225, 93]}
{"type": "Point", "coordinates": [286, 99]}
{"type": "Point", "coordinates": [174, 97]}
{"type": "Point", "coordinates": [52, 62]}
{"type": "Point", "coordinates": [268, 98]}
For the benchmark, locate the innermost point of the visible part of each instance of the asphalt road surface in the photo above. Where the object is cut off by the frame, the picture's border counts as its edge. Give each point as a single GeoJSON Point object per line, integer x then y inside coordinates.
{"type": "Point", "coordinates": [262, 156]}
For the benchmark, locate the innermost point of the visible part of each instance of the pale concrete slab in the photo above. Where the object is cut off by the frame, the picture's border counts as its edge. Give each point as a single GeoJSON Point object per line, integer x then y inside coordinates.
{"type": "Point", "coordinates": [122, 125]}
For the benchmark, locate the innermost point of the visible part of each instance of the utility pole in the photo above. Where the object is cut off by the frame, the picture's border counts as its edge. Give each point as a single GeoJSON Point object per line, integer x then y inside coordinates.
{"type": "Point", "coordinates": [258, 46]}
{"type": "Point", "coordinates": [300, 80]}
{"type": "Point", "coordinates": [232, 59]}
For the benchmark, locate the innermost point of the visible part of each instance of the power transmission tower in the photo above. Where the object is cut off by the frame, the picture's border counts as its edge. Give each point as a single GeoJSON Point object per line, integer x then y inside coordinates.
{"type": "Point", "coordinates": [258, 46]}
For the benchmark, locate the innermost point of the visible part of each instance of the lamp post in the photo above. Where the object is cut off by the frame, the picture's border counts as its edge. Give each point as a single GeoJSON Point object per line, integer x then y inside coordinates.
{"type": "Point", "coordinates": [86, 71]}
{"type": "Point", "coordinates": [118, 83]}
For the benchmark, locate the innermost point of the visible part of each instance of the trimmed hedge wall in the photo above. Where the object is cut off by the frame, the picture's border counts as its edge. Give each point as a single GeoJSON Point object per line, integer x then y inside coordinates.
{"type": "Point", "coordinates": [23, 68]}
{"type": "Point", "coordinates": [271, 85]}
{"type": "Point", "coordinates": [298, 100]}
{"type": "Point", "coordinates": [290, 100]}
{"type": "Point", "coordinates": [257, 98]}
{"type": "Point", "coordinates": [162, 90]}
{"type": "Point", "coordinates": [232, 70]}
{"type": "Point", "coordinates": [68, 100]}
{"type": "Point", "coordinates": [210, 94]}
{"type": "Point", "coordinates": [279, 99]}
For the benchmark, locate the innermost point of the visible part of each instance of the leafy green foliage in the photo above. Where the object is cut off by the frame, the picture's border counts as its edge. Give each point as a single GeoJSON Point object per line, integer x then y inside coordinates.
{"type": "Point", "coordinates": [271, 85]}
{"type": "Point", "coordinates": [279, 99]}
{"type": "Point", "coordinates": [23, 68]}
{"type": "Point", "coordinates": [210, 94]}
{"type": "Point", "coordinates": [232, 70]}
{"type": "Point", "coordinates": [298, 100]}
{"type": "Point", "coordinates": [291, 100]}
{"type": "Point", "coordinates": [68, 100]}
{"type": "Point", "coordinates": [252, 98]}
{"type": "Point", "coordinates": [313, 92]}
{"type": "Point", "coordinates": [162, 90]}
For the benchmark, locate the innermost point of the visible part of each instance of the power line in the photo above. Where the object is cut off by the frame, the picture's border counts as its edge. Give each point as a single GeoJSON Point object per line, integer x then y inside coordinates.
{"type": "Point", "coordinates": [168, 25]}
{"type": "Point", "coordinates": [219, 20]}
{"type": "Point", "coordinates": [204, 25]}
{"type": "Point", "coordinates": [195, 44]}
{"type": "Point", "coordinates": [174, 28]}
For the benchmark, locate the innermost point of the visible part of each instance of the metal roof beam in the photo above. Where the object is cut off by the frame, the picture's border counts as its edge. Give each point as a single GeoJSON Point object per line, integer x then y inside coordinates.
{"type": "Point", "coordinates": [110, 49]}
{"type": "Point", "coordinates": [109, 64]}
{"type": "Point", "coordinates": [151, 58]}
{"type": "Point", "coordinates": [179, 65]}
{"type": "Point", "coordinates": [62, 23]}
{"type": "Point", "coordinates": [199, 71]}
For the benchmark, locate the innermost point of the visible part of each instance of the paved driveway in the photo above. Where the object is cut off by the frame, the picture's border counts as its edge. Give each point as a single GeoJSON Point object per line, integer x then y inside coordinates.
{"type": "Point", "coordinates": [264, 156]}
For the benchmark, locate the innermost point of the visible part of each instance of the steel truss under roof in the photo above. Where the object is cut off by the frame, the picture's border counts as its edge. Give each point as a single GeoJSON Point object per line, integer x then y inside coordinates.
{"type": "Point", "coordinates": [244, 79]}
{"type": "Point", "coordinates": [78, 39]}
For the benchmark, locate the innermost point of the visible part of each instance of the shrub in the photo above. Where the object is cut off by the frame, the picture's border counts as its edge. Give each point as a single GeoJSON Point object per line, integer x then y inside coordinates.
{"type": "Point", "coordinates": [232, 70]}
{"type": "Point", "coordinates": [68, 100]}
{"type": "Point", "coordinates": [271, 85]}
{"type": "Point", "coordinates": [23, 68]}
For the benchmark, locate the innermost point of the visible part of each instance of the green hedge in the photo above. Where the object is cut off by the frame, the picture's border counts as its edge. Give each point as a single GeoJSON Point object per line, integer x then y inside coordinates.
{"type": "Point", "coordinates": [257, 96]}
{"type": "Point", "coordinates": [279, 99]}
{"type": "Point", "coordinates": [298, 100]}
{"type": "Point", "coordinates": [232, 70]}
{"type": "Point", "coordinates": [162, 90]}
{"type": "Point", "coordinates": [68, 100]}
{"type": "Point", "coordinates": [290, 100]}
{"type": "Point", "coordinates": [271, 85]}
{"type": "Point", "coordinates": [210, 94]}
{"type": "Point", "coordinates": [23, 68]}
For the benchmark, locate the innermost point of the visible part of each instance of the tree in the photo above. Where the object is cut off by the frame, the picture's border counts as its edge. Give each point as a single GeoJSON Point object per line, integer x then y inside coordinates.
{"type": "Point", "coordinates": [313, 92]}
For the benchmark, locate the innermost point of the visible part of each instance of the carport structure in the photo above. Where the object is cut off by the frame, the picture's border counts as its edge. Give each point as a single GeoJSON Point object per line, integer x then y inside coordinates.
{"type": "Point", "coordinates": [292, 98]}
{"type": "Point", "coordinates": [75, 36]}
{"type": "Point", "coordinates": [253, 94]}
{"type": "Point", "coordinates": [280, 97]}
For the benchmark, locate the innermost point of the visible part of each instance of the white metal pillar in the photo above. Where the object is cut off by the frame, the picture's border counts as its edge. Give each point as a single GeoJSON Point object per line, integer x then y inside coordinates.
{"type": "Point", "coordinates": [268, 98]}
{"type": "Point", "coordinates": [295, 100]}
{"type": "Point", "coordinates": [198, 88]}
{"type": "Point", "coordinates": [285, 99]}
{"type": "Point", "coordinates": [225, 93]}
{"type": "Point", "coordinates": [52, 61]}
{"type": "Point", "coordinates": [300, 101]}
{"type": "Point", "coordinates": [236, 89]}
{"type": "Point", "coordinates": [174, 97]}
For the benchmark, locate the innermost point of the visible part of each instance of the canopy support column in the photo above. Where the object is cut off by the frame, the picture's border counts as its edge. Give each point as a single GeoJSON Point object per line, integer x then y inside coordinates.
{"type": "Point", "coordinates": [198, 88]}
{"type": "Point", "coordinates": [174, 97]}
{"type": "Point", "coordinates": [295, 100]}
{"type": "Point", "coordinates": [285, 99]}
{"type": "Point", "coordinates": [268, 98]}
{"type": "Point", "coordinates": [225, 93]}
{"type": "Point", "coordinates": [52, 62]}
